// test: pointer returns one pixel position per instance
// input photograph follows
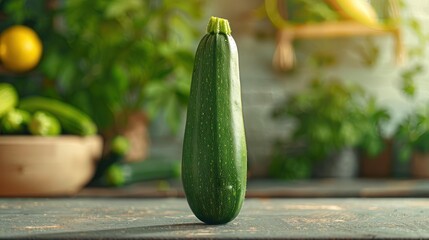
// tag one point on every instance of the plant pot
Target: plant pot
(420, 165)
(341, 164)
(401, 167)
(379, 166)
(134, 127)
(137, 133)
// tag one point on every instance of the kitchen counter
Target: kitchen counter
(346, 209)
(170, 218)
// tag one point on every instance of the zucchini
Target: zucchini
(120, 174)
(214, 161)
(15, 122)
(73, 121)
(8, 98)
(120, 147)
(44, 124)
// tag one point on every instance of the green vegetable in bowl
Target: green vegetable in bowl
(15, 121)
(73, 121)
(44, 124)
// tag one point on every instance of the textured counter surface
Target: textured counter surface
(170, 218)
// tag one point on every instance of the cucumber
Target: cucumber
(72, 120)
(8, 98)
(214, 160)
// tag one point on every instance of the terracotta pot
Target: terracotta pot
(379, 166)
(134, 127)
(137, 133)
(420, 165)
(46, 166)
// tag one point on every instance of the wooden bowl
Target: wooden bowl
(33, 166)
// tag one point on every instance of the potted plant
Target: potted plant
(412, 139)
(375, 149)
(121, 62)
(331, 121)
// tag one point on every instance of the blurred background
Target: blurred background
(330, 89)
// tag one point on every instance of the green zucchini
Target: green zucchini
(72, 120)
(214, 161)
(15, 121)
(44, 124)
(120, 174)
(8, 98)
(120, 147)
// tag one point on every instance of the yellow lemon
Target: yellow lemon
(20, 48)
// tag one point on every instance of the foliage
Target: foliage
(288, 163)
(308, 11)
(330, 116)
(413, 134)
(416, 54)
(375, 117)
(110, 58)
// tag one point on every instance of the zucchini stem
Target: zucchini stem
(218, 25)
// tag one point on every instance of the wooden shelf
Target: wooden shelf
(336, 30)
(284, 57)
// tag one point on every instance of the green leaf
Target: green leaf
(408, 87)
(67, 76)
(16, 9)
(155, 90)
(120, 78)
(120, 8)
(50, 64)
